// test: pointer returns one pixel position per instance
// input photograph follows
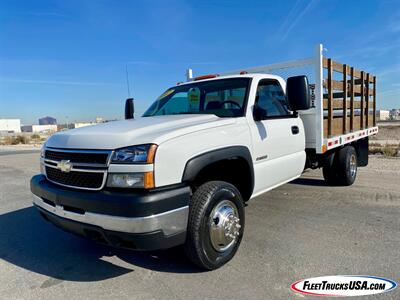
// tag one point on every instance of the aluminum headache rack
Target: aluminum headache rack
(343, 99)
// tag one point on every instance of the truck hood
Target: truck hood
(118, 134)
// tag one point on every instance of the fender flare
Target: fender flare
(197, 163)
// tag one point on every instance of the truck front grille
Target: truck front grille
(86, 169)
(87, 180)
(78, 157)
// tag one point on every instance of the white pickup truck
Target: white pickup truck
(181, 173)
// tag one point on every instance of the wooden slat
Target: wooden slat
(357, 73)
(367, 102)
(351, 99)
(338, 104)
(338, 67)
(357, 89)
(340, 95)
(357, 123)
(344, 123)
(357, 81)
(371, 79)
(336, 95)
(362, 103)
(336, 85)
(374, 102)
(337, 126)
(330, 97)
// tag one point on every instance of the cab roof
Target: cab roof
(248, 75)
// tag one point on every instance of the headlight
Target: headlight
(131, 180)
(135, 154)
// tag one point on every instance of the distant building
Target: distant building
(99, 120)
(10, 125)
(394, 114)
(382, 114)
(63, 127)
(39, 128)
(47, 121)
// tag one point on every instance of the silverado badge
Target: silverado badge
(65, 166)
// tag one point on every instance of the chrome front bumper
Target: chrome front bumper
(170, 222)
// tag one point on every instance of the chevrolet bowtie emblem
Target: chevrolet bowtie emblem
(64, 166)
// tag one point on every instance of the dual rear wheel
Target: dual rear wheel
(341, 167)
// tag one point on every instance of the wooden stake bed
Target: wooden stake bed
(353, 99)
(343, 99)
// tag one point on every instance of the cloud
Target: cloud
(389, 92)
(54, 82)
(295, 15)
(390, 72)
(38, 14)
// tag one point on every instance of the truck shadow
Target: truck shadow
(29, 242)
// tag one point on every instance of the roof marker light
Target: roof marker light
(205, 77)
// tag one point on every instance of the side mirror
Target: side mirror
(298, 93)
(259, 113)
(129, 109)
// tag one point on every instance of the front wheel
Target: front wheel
(216, 224)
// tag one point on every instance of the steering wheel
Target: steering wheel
(231, 102)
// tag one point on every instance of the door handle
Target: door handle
(295, 130)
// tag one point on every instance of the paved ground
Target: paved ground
(302, 229)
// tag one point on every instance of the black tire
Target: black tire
(347, 162)
(199, 247)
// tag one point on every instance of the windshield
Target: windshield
(223, 98)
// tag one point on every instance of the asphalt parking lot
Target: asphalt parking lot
(302, 229)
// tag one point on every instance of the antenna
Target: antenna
(189, 75)
(127, 80)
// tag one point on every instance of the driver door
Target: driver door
(278, 139)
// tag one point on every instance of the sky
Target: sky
(68, 59)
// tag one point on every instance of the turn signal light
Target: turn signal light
(151, 154)
(149, 180)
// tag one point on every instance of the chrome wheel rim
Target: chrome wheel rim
(224, 226)
(353, 165)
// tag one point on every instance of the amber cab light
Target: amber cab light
(205, 77)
